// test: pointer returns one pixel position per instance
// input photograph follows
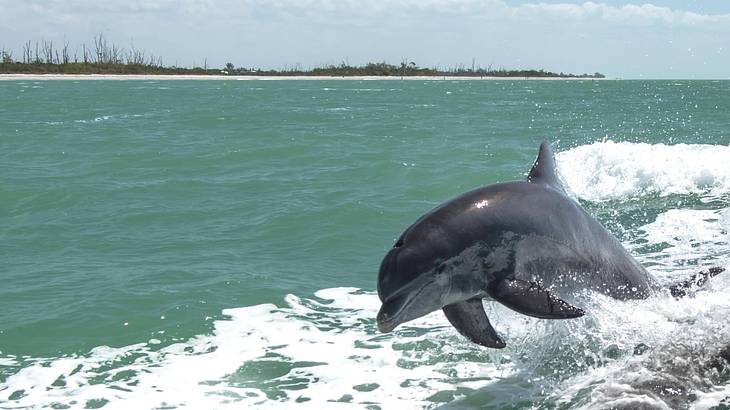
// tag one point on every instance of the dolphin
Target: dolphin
(525, 244)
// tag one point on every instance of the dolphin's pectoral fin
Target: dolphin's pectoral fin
(469, 318)
(681, 289)
(529, 298)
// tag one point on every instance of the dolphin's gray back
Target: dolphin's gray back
(552, 238)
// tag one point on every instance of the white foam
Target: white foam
(693, 238)
(683, 337)
(325, 349)
(109, 117)
(336, 109)
(613, 170)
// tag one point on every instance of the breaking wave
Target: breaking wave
(615, 170)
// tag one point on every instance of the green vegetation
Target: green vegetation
(405, 70)
(412, 70)
(105, 58)
(101, 58)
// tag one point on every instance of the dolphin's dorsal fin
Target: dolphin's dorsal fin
(544, 170)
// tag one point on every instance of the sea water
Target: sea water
(215, 244)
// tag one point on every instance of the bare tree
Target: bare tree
(7, 56)
(100, 48)
(26, 52)
(47, 48)
(115, 54)
(66, 57)
(134, 56)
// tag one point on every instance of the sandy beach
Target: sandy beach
(149, 77)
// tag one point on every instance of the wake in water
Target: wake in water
(324, 351)
(620, 170)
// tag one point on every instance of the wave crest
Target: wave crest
(611, 170)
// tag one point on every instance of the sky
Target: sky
(622, 39)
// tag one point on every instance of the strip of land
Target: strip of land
(153, 77)
(108, 61)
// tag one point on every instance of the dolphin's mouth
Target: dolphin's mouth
(386, 326)
(399, 309)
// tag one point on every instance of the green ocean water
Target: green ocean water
(139, 210)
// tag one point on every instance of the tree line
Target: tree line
(99, 57)
(103, 57)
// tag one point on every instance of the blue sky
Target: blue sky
(658, 39)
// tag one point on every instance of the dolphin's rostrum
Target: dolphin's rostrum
(525, 244)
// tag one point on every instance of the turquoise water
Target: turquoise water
(133, 213)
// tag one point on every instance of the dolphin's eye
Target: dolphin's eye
(399, 243)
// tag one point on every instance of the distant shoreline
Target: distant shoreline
(105, 60)
(151, 77)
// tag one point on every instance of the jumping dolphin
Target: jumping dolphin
(525, 244)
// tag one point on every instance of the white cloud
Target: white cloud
(627, 14)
